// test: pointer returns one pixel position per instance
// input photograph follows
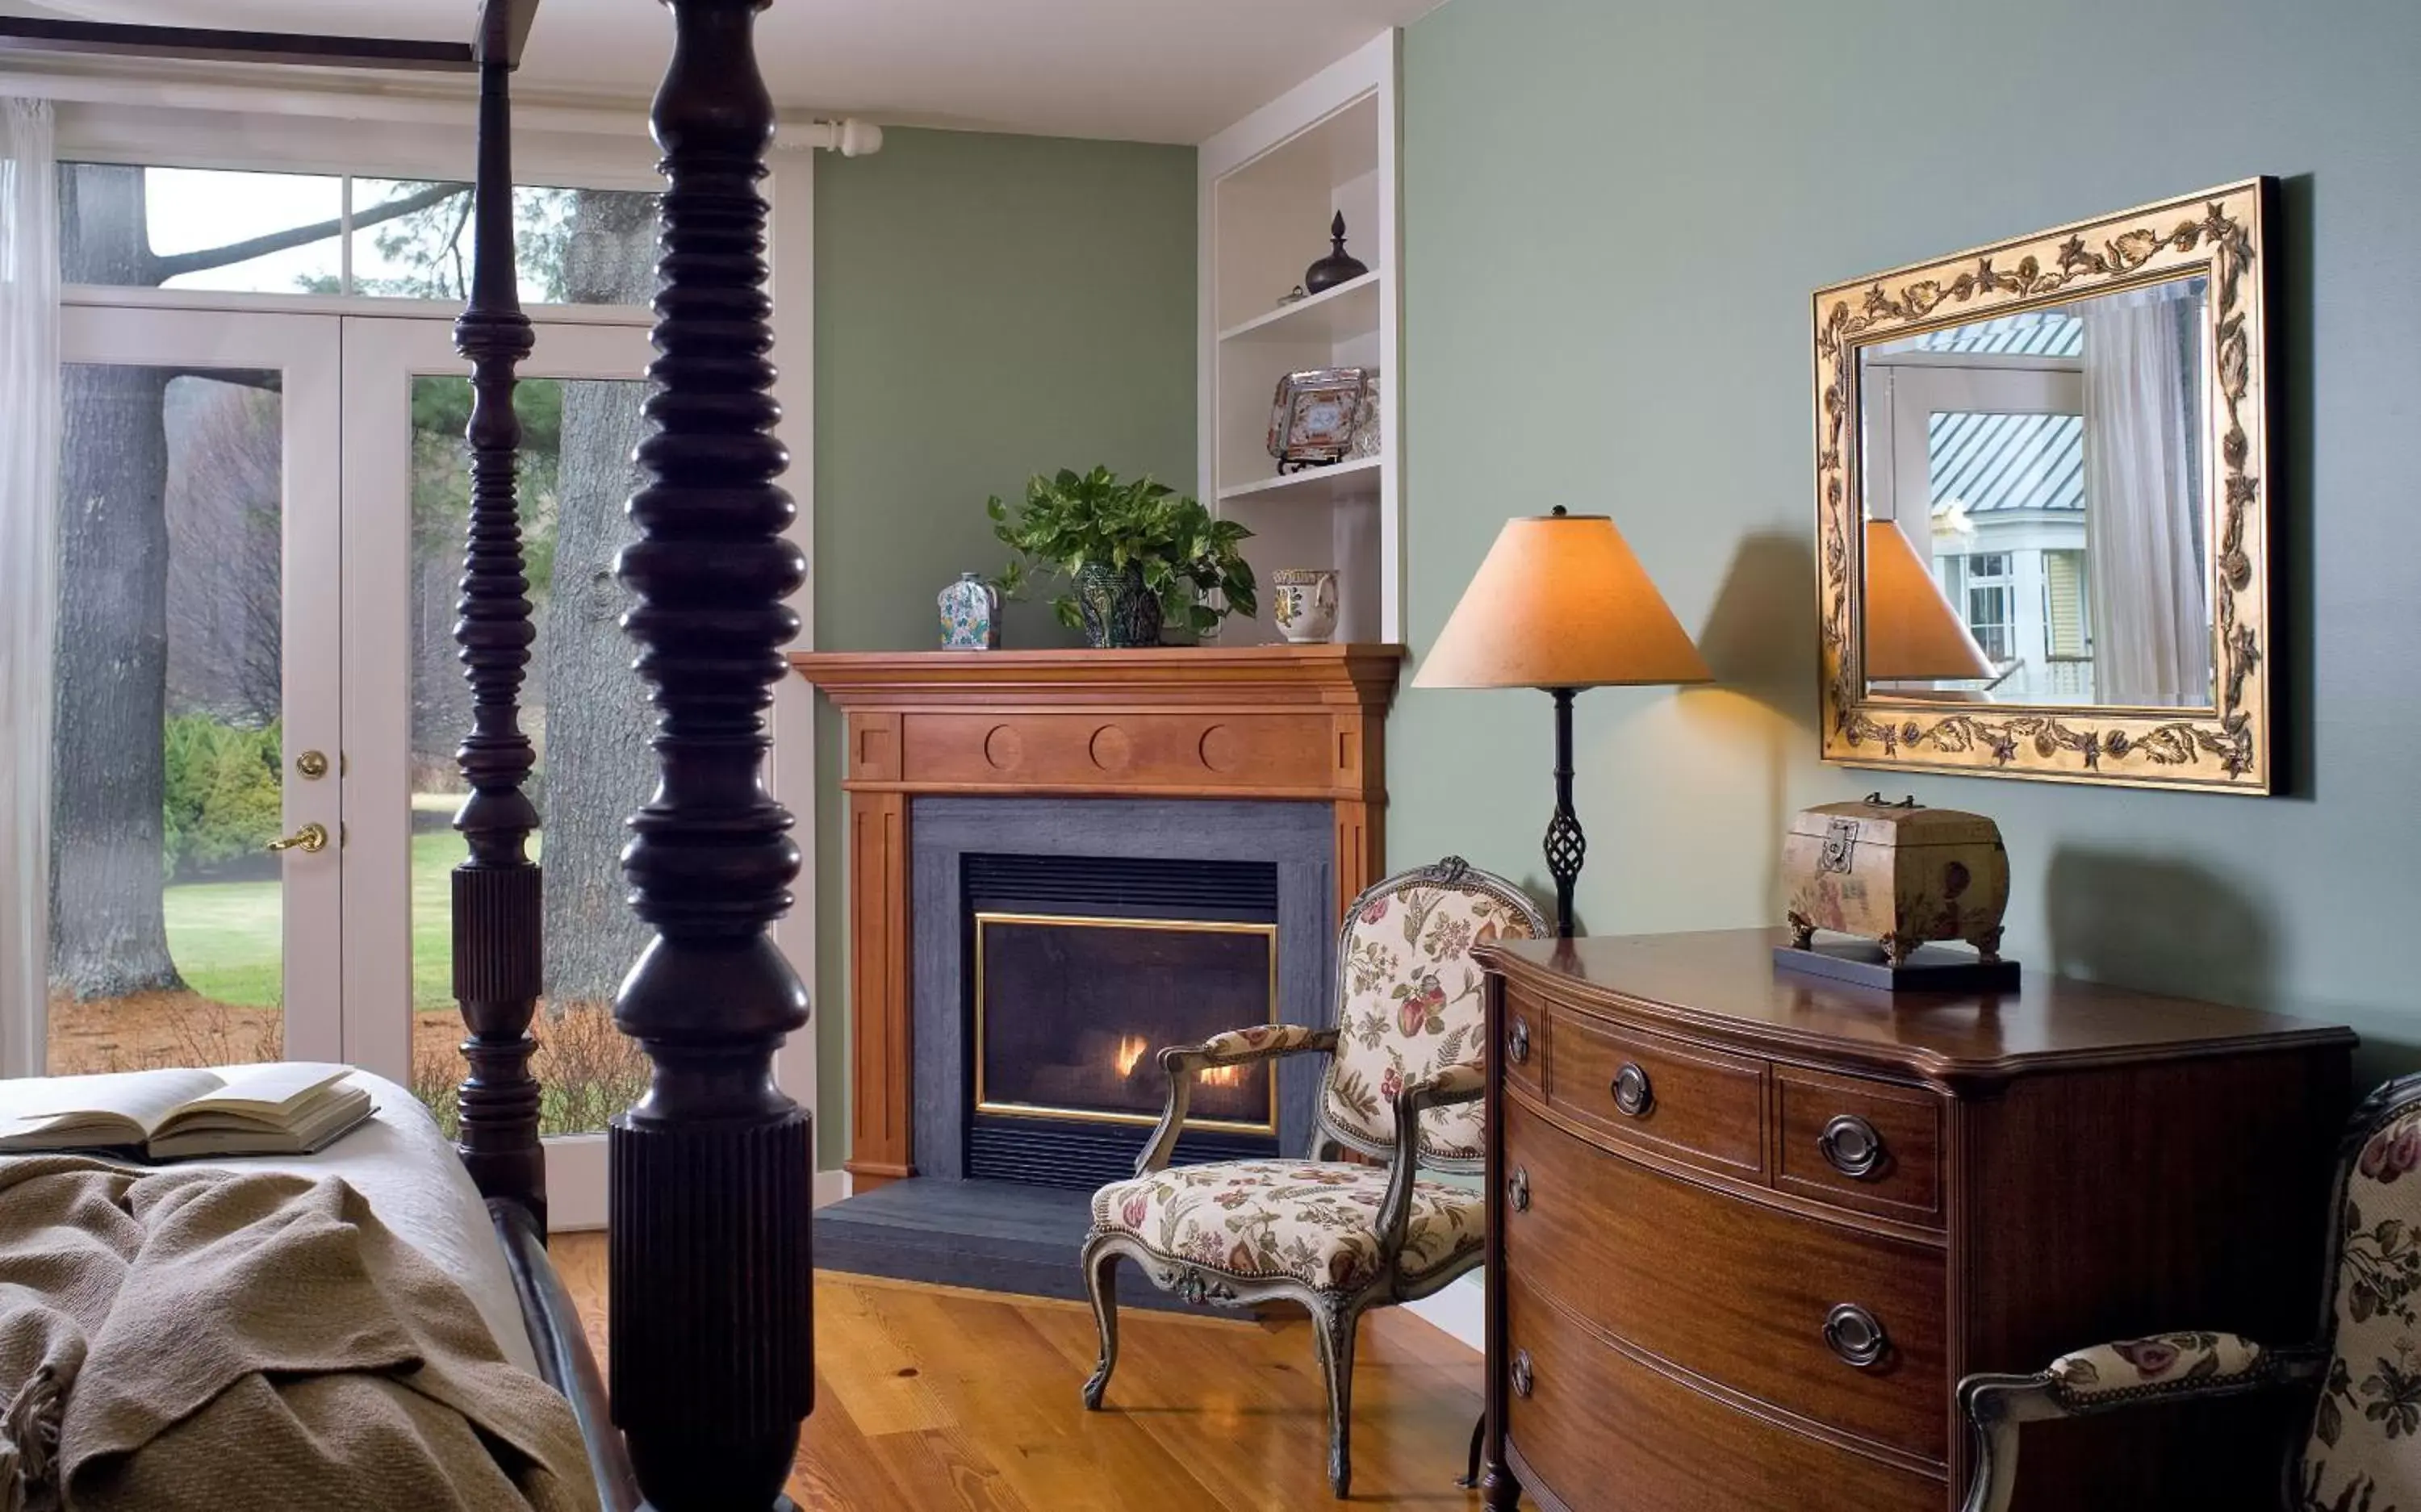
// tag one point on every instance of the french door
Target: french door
(405, 706)
(261, 542)
(198, 837)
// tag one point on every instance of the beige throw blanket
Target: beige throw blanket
(209, 1338)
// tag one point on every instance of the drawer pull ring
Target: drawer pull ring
(1517, 1041)
(1852, 1146)
(1632, 1094)
(1517, 1189)
(1856, 1335)
(1523, 1380)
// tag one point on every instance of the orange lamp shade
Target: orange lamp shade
(1560, 602)
(1912, 631)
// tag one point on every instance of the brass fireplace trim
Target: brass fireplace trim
(1090, 1115)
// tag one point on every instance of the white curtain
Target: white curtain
(29, 441)
(2144, 550)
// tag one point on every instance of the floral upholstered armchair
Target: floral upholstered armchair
(2362, 1450)
(1403, 1086)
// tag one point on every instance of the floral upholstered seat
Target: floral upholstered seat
(1313, 1221)
(2362, 1450)
(1402, 1086)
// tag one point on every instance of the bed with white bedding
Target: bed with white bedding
(402, 1164)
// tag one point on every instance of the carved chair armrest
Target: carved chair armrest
(1466, 1083)
(2165, 1367)
(1236, 1047)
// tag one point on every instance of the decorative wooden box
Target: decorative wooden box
(1898, 875)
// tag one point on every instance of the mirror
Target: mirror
(2042, 509)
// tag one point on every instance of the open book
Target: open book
(285, 1107)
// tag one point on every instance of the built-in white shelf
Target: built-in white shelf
(1340, 313)
(1271, 186)
(1314, 484)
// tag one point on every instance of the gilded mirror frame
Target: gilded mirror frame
(2225, 747)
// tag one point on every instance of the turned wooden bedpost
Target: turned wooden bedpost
(712, 1361)
(498, 957)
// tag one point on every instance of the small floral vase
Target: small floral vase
(1302, 600)
(969, 614)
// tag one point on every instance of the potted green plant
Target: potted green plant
(1135, 554)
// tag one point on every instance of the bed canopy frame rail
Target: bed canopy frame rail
(709, 1275)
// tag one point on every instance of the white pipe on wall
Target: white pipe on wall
(254, 94)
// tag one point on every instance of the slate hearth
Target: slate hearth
(955, 1225)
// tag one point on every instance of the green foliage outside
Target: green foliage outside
(440, 483)
(220, 801)
(1073, 520)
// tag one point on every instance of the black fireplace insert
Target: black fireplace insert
(1080, 970)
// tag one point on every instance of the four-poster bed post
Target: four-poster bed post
(710, 1283)
(709, 1279)
(499, 952)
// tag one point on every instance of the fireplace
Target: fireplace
(1079, 970)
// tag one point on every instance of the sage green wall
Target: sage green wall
(1614, 212)
(987, 307)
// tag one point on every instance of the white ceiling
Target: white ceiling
(1159, 70)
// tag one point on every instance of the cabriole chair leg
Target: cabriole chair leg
(1334, 1333)
(1101, 1282)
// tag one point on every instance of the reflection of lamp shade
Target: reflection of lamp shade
(1560, 602)
(1911, 631)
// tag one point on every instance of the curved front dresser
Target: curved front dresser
(1748, 1231)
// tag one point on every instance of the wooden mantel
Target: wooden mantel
(1293, 723)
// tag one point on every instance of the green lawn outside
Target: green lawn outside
(226, 937)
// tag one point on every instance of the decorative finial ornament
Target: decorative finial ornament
(1337, 266)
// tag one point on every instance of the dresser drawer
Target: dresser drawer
(1526, 1041)
(1596, 1429)
(1866, 1144)
(1739, 1293)
(1695, 1104)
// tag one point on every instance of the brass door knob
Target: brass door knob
(310, 839)
(313, 765)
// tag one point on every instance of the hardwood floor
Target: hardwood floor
(935, 1399)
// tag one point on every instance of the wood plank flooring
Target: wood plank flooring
(935, 1399)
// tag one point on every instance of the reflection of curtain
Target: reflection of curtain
(2152, 616)
(29, 432)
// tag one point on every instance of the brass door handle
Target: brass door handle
(310, 839)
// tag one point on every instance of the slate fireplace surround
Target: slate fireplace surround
(1171, 859)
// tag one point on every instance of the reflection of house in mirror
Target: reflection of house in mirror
(2076, 563)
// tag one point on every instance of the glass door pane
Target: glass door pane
(185, 517)
(582, 706)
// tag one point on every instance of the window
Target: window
(2064, 612)
(288, 233)
(1990, 599)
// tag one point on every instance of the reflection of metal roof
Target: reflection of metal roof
(2033, 334)
(1990, 462)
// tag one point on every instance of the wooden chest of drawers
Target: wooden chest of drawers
(1747, 1231)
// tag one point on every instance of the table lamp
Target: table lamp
(1560, 604)
(1912, 633)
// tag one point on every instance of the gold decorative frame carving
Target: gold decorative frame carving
(2224, 748)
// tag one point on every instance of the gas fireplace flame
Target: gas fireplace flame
(1131, 1048)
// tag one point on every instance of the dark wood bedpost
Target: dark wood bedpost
(498, 956)
(712, 1362)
